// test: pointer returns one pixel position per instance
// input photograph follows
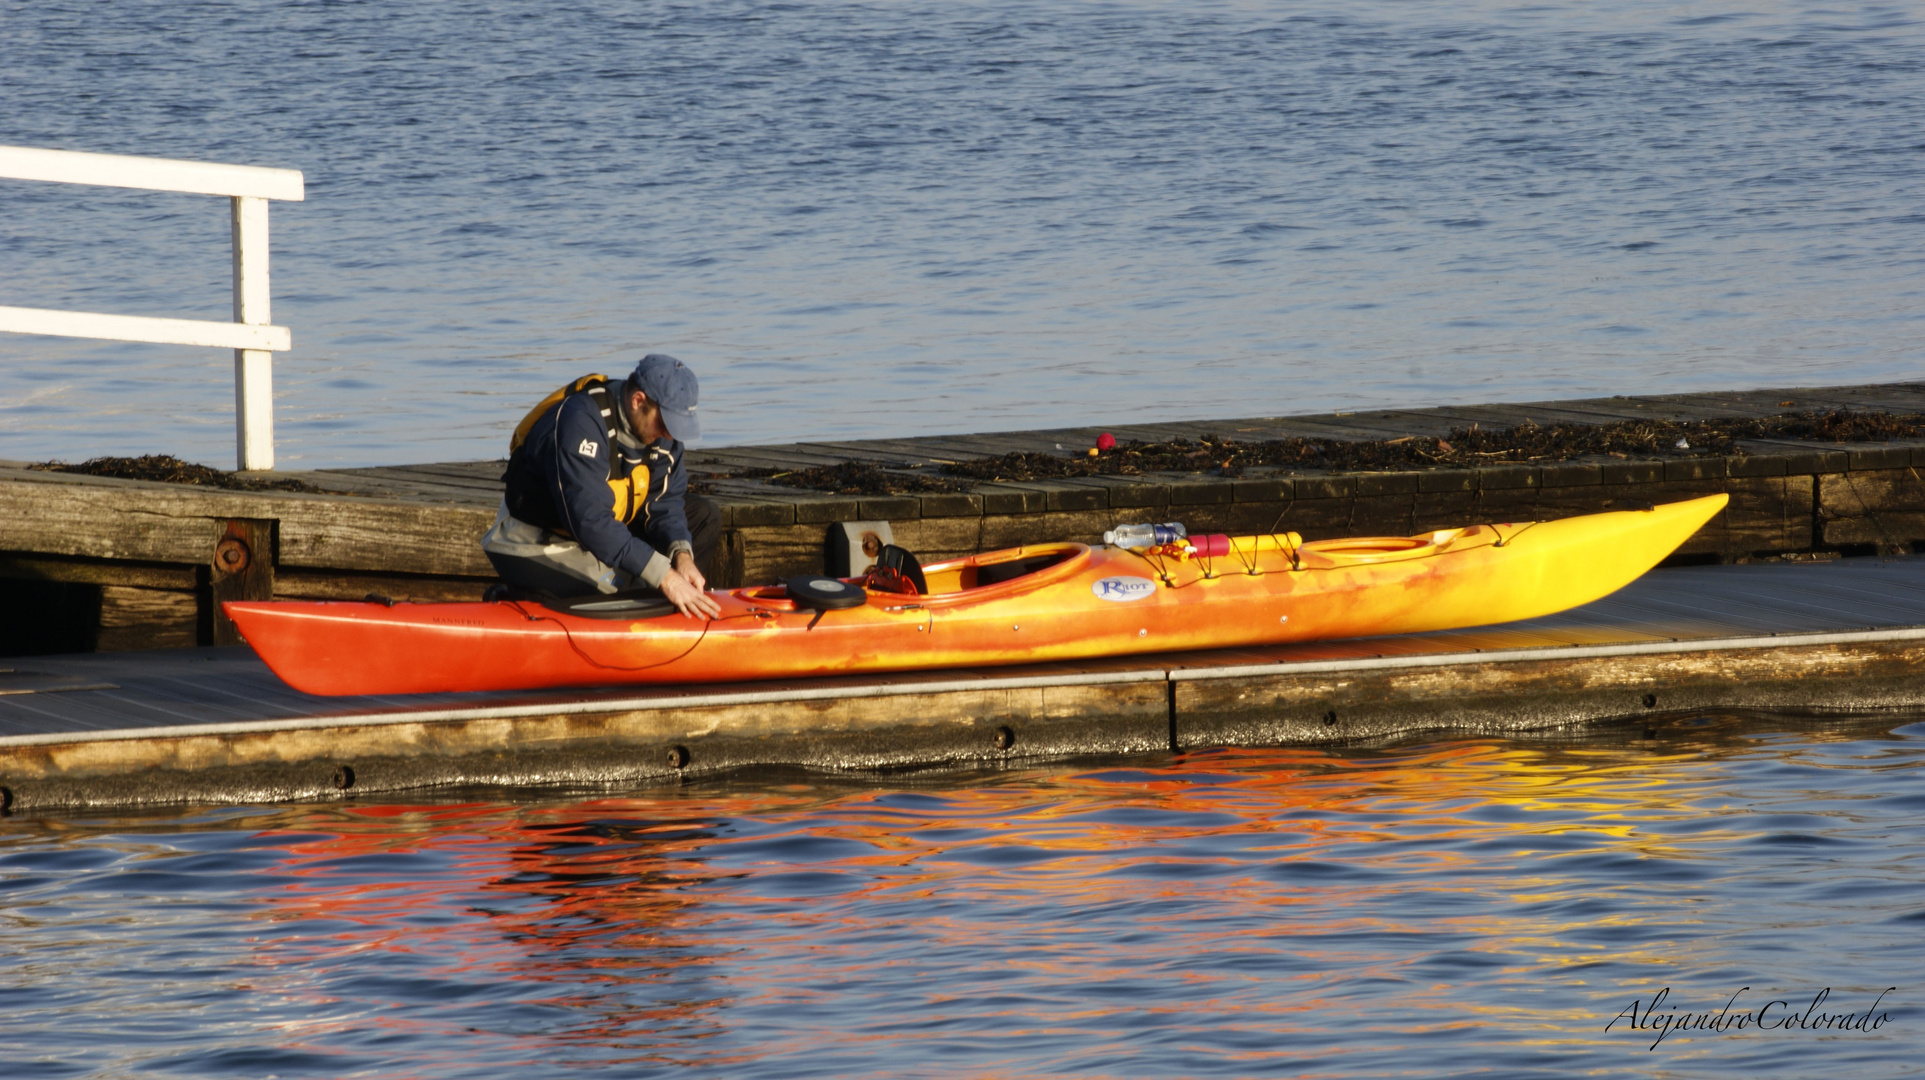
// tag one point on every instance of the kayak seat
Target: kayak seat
(636, 604)
(629, 604)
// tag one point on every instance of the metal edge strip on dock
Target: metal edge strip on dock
(1166, 674)
(563, 708)
(1558, 652)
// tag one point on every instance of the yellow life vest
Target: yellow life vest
(629, 492)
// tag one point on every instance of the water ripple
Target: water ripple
(1443, 909)
(851, 216)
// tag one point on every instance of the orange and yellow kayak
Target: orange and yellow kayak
(1021, 605)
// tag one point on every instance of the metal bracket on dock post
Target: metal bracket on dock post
(242, 569)
(253, 368)
(851, 546)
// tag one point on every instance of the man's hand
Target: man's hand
(687, 598)
(684, 564)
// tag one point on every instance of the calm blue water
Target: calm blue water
(1477, 907)
(888, 218)
(891, 218)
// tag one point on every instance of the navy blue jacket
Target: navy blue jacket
(566, 459)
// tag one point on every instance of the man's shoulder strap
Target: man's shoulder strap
(596, 385)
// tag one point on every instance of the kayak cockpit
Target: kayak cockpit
(1019, 568)
(1369, 550)
(1003, 573)
(967, 580)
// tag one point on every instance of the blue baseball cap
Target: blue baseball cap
(672, 387)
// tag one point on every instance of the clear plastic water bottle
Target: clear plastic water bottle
(1143, 536)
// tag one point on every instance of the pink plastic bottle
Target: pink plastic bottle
(1211, 545)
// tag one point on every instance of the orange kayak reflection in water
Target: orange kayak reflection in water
(1289, 895)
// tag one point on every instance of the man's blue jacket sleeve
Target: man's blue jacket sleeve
(666, 523)
(578, 482)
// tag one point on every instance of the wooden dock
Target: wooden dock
(213, 725)
(112, 566)
(100, 564)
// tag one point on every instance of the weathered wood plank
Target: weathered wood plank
(1354, 427)
(1799, 457)
(1505, 417)
(780, 457)
(429, 479)
(937, 538)
(998, 443)
(849, 451)
(1324, 428)
(488, 471)
(1869, 493)
(1590, 411)
(299, 584)
(1728, 403)
(96, 572)
(1150, 433)
(1288, 707)
(774, 552)
(133, 619)
(1383, 515)
(175, 523)
(1412, 422)
(395, 489)
(987, 725)
(1883, 507)
(911, 450)
(108, 522)
(1016, 530)
(1869, 399)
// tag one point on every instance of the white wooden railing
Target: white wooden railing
(249, 335)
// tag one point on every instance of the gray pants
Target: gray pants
(530, 557)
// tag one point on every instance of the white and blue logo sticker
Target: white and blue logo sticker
(1122, 588)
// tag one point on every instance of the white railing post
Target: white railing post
(252, 337)
(253, 368)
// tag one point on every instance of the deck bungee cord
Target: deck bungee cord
(1504, 541)
(1205, 559)
(1281, 540)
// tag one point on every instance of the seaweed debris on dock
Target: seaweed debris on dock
(1463, 447)
(168, 469)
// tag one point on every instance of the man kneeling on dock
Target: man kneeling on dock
(597, 496)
